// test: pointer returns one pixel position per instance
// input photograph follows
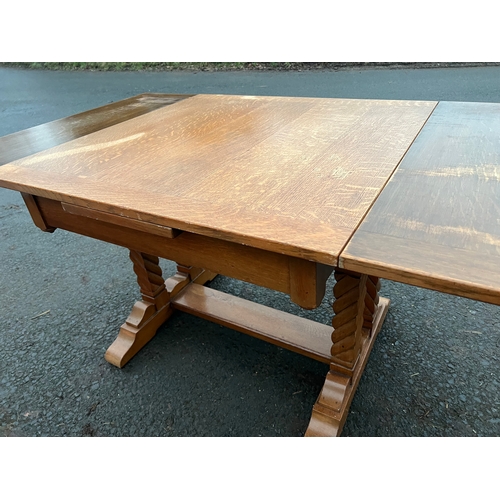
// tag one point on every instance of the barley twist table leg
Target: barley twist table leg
(154, 309)
(359, 313)
(147, 314)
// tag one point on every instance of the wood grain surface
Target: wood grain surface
(437, 222)
(277, 327)
(253, 265)
(140, 225)
(35, 139)
(303, 280)
(290, 175)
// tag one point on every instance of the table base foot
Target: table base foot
(132, 339)
(332, 406)
(146, 317)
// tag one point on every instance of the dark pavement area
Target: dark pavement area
(434, 370)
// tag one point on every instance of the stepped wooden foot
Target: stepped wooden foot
(359, 314)
(154, 309)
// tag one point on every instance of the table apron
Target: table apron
(303, 280)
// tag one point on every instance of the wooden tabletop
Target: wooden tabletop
(291, 175)
(437, 222)
(47, 135)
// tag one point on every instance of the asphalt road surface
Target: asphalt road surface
(434, 370)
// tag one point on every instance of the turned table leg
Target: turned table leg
(359, 314)
(154, 309)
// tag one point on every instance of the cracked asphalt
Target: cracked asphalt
(434, 369)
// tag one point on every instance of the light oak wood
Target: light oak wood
(277, 327)
(147, 314)
(308, 282)
(155, 307)
(36, 215)
(47, 135)
(332, 406)
(349, 309)
(373, 285)
(268, 190)
(359, 314)
(140, 225)
(260, 267)
(436, 223)
(347, 359)
(289, 175)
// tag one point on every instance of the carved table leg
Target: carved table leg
(154, 309)
(359, 314)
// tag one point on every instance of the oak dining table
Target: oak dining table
(280, 192)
